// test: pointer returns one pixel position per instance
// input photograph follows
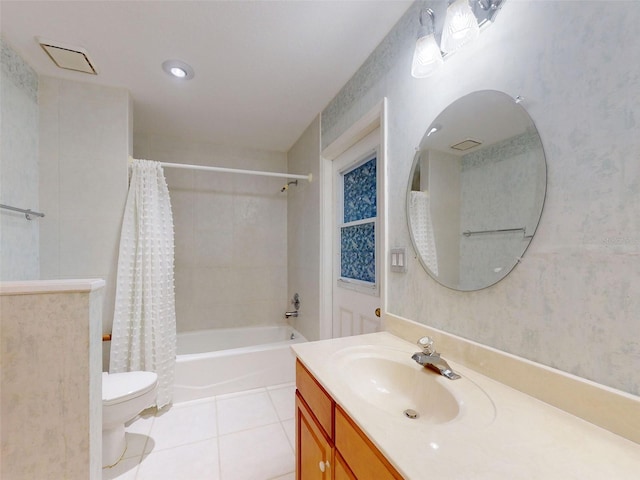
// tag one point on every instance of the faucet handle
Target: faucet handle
(426, 343)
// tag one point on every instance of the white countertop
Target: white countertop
(526, 439)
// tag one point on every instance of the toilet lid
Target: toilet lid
(119, 387)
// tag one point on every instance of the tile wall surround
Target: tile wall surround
(230, 233)
(303, 231)
(19, 237)
(51, 408)
(84, 147)
(577, 290)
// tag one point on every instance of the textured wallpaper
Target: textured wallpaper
(573, 302)
(18, 167)
(84, 132)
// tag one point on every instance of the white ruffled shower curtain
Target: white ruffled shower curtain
(144, 323)
(422, 227)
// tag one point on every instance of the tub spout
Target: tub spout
(291, 314)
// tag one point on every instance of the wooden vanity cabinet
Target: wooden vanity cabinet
(314, 451)
(329, 445)
(341, 470)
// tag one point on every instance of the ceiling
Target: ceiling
(263, 69)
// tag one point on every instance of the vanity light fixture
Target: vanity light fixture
(463, 22)
(178, 69)
(460, 26)
(486, 11)
(427, 57)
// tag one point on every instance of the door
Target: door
(357, 272)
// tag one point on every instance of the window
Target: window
(357, 224)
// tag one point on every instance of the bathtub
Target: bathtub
(214, 362)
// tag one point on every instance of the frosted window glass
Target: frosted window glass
(358, 252)
(360, 192)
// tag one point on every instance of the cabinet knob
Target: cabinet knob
(323, 466)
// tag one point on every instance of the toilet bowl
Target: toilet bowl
(124, 395)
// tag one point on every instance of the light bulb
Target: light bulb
(178, 69)
(178, 72)
(426, 57)
(460, 26)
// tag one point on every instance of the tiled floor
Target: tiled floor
(247, 435)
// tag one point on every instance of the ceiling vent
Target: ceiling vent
(68, 57)
(466, 145)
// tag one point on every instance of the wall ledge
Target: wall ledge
(30, 287)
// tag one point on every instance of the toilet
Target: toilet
(124, 395)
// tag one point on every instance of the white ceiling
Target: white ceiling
(263, 69)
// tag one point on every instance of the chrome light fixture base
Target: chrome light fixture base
(486, 11)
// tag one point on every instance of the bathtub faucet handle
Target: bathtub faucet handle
(296, 301)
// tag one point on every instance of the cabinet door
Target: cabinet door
(362, 457)
(313, 449)
(341, 470)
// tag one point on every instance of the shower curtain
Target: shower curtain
(420, 215)
(144, 323)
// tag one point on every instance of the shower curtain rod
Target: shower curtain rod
(233, 170)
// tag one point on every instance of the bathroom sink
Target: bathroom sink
(390, 381)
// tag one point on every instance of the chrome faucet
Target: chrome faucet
(295, 301)
(428, 357)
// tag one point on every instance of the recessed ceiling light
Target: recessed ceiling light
(178, 69)
(178, 72)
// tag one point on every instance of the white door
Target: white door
(357, 232)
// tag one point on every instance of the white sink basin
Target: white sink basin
(389, 380)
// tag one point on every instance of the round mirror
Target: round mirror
(476, 190)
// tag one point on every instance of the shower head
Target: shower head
(286, 187)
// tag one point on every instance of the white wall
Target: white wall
(573, 303)
(84, 148)
(444, 187)
(19, 237)
(230, 233)
(303, 231)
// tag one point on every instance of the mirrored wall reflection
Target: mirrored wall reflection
(476, 190)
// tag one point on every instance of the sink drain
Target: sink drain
(410, 413)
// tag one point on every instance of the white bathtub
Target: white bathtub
(214, 362)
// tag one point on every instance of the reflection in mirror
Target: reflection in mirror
(476, 190)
